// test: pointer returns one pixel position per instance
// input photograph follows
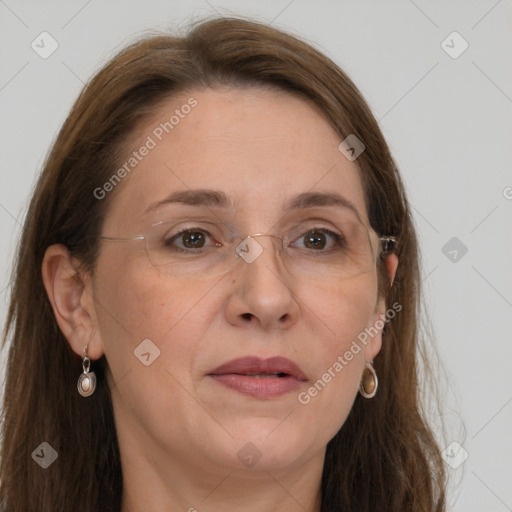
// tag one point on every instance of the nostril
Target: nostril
(247, 316)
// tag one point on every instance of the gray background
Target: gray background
(448, 122)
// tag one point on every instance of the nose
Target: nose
(262, 291)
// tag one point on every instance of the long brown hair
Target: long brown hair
(385, 456)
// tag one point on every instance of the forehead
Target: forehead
(259, 147)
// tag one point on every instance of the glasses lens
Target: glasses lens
(331, 253)
(316, 249)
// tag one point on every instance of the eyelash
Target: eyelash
(339, 240)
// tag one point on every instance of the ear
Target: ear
(379, 317)
(71, 297)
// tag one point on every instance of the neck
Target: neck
(154, 483)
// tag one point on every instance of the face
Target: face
(261, 149)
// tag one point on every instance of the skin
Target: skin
(179, 432)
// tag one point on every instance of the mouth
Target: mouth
(260, 378)
(270, 374)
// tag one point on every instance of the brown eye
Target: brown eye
(315, 240)
(318, 239)
(188, 239)
(193, 239)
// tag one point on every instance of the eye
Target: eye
(321, 238)
(190, 238)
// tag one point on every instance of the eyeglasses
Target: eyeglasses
(307, 249)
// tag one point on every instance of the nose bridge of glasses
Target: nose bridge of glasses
(276, 242)
(250, 248)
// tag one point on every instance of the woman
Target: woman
(215, 304)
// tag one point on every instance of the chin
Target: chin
(270, 445)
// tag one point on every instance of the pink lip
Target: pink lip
(235, 375)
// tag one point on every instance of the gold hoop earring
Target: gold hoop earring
(87, 381)
(369, 382)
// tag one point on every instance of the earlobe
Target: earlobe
(71, 301)
(391, 266)
(380, 316)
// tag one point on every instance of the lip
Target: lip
(236, 375)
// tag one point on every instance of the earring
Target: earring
(369, 382)
(87, 381)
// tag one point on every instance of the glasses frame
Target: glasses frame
(387, 242)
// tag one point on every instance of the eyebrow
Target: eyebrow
(216, 198)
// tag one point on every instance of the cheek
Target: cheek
(148, 378)
(137, 303)
(342, 313)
